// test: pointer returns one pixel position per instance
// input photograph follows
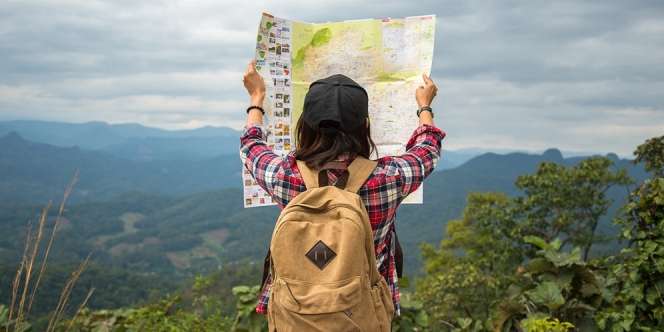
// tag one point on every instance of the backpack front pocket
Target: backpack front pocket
(306, 297)
(316, 307)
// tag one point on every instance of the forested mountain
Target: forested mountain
(140, 143)
(96, 134)
(37, 172)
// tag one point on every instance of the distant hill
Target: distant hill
(137, 142)
(174, 148)
(36, 172)
(130, 140)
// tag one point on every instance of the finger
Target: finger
(251, 67)
(427, 79)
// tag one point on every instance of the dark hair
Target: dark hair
(317, 147)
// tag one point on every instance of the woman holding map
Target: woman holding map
(332, 131)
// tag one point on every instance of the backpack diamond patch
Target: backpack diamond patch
(320, 254)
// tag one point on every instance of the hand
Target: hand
(424, 94)
(254, 84)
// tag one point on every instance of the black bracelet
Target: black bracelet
(424, 108)
(256, 107)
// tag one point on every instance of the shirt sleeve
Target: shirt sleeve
(263, 163)
(422, 154)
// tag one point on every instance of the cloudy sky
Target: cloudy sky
(577, 75)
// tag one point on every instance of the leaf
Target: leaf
(507, 310)
(464, 323)
(422, 319)
(240, 290)
(547, 294)
(539, 265)
(536, 241)
(560, 259)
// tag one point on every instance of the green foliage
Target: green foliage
(651, 153)
(171, 314)
(163, 316)
(7, 325)
(553, 284)
(471, 284)
(473, 266)
(247, 319)
(540, 323)
(413, 316)
(636, 279)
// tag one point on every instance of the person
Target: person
(334, 128)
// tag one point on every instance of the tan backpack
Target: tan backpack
(323, 262)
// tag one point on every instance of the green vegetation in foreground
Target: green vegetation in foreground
(521, 263)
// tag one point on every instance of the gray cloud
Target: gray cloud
(581, 76)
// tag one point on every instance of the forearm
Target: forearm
(426, 118)
(422, 153)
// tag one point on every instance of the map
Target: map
(386, 56)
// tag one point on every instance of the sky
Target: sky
(581, 76)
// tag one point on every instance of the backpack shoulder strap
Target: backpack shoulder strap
(359, 170)
(309, 176)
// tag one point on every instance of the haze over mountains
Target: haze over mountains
(140, 143)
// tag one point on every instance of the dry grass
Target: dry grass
(28, 278)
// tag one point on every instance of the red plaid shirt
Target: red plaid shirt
(393, 179)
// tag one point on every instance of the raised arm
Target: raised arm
(424, 146)
(256, 156)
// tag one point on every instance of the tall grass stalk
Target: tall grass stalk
(25, 283)
(80, 308)
(30, 262)
(19, 272)
(64, 295)
(61, 210)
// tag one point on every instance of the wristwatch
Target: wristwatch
(424, 108)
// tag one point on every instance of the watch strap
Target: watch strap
(424, 108)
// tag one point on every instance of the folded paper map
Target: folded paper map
(386, 56)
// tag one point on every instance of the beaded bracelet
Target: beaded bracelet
(256, 107)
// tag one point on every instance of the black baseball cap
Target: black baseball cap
(335, 102)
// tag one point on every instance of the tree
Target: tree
(471, 277)
(636, 302)
(474, 264)
(651, 154)
(568, 202)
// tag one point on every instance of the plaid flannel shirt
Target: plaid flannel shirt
(393, 179)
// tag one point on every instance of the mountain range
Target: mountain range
(140, 143)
